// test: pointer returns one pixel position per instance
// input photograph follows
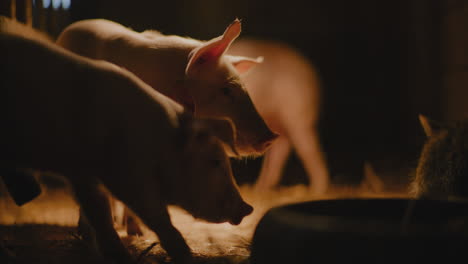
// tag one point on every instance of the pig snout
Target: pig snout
(244, 210)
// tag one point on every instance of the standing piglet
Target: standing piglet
(107, 131)
(285, 91)
(196, 74)
(442, 170)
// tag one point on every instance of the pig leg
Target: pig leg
(273, 164)
(131, 223)
(85, 230)
(94, 203)
(123, 219)
(307, 145)
(147, 204)
(118, 212)
(171, 239)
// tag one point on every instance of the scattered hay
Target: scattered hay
(44, 231)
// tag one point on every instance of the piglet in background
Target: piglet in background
(109, 133)
(442, 170)
(194, 73)
(286, 92)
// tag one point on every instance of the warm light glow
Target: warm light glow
(210, 240)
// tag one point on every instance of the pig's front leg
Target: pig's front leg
(94, 203)
(147, 204)
(123, 219)
(171, 239)
(307, 146)
(131, 224)
(273, 164)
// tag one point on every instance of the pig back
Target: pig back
(62, 109)
(88, 37)
(284, 86)
(37, 99)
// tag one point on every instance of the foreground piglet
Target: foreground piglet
(442, 170)
(107, 131)
(196, 74)
(285, 91)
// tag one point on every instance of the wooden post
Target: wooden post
(28, 12)
(23, 11)
(41, 16)
(20, 7)
(52, 27)
(13, 9)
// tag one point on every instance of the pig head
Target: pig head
(194, 73)
(213, 80)
(205, 186)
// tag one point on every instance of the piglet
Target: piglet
(285, 89)
(442, 170)
(195, 73)
(106, 131)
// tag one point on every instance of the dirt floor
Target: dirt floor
(53, 244)
(44, 231)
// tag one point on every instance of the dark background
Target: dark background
(381, 64)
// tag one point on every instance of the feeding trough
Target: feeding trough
(363, 231)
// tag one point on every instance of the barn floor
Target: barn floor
(44, 231)
(53, 244)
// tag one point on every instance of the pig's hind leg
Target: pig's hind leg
(307, 145)
(131, 223)
(273, 164)
(123, 219)
(95, 206)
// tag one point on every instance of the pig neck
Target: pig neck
(159, 62)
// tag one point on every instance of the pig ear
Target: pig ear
(223, 129)
(430, 127)
(212, 50)
(243, 64)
